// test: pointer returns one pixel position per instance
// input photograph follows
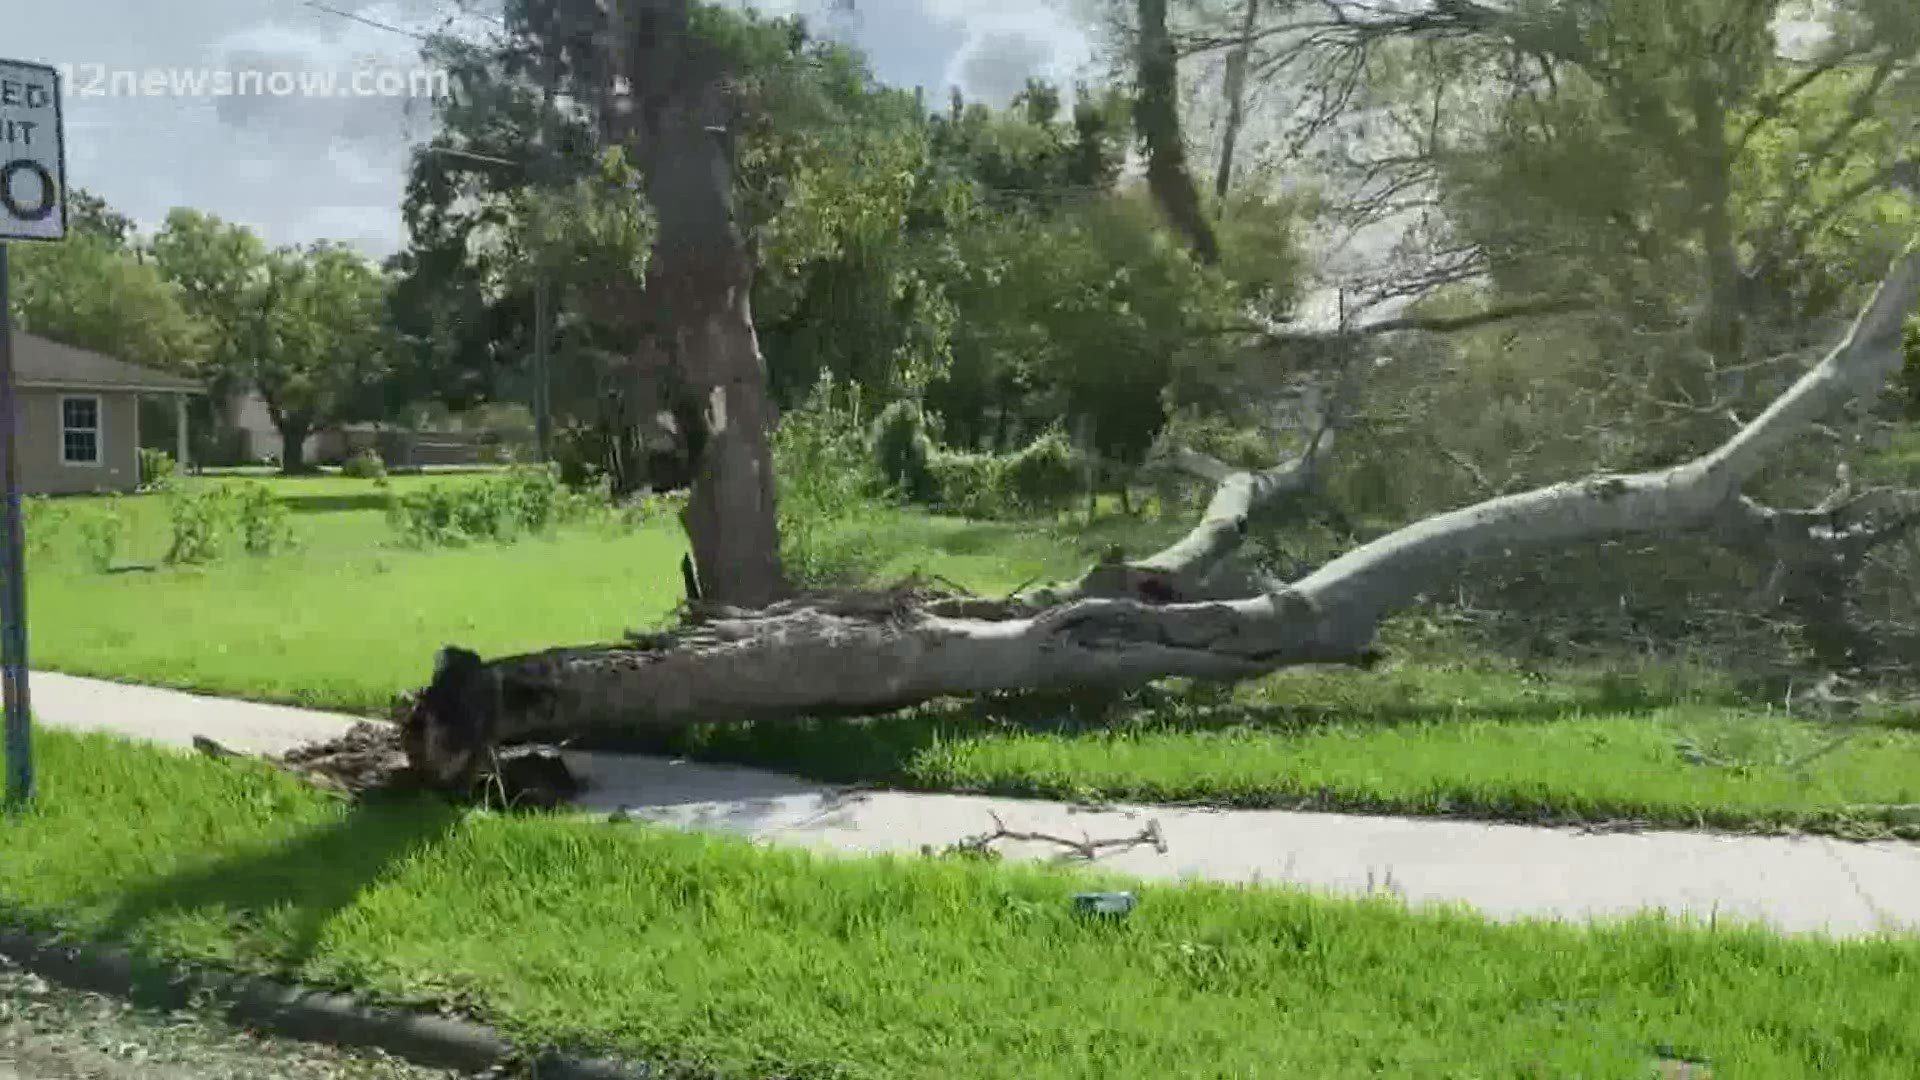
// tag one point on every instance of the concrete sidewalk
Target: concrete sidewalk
(1507, 871)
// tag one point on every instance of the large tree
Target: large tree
(92, 293)
(1187, 611)
(1191, 610)
(307, 328)
(320, 342)
(217, 266)
(98, 290)
(824, 160)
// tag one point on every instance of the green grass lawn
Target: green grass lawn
(1412, 739)
(349, 619)
(747, 962)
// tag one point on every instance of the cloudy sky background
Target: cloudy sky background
(300, 169)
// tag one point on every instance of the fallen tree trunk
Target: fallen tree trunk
(1124, 624)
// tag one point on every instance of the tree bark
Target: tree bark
(1720, 330)
(1236, 93)
(1157, 117)
(676, 116)
(294, 429)
(1183, 612)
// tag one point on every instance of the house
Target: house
(400, 445)
(259, 439)
(79, 417)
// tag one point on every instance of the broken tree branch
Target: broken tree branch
(876, 654)
(1085, 848)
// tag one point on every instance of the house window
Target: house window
(80, 430)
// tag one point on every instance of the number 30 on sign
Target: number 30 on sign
(33, 189)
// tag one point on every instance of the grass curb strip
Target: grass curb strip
(308, 1015)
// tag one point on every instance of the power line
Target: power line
(490, 159)
(363, 20)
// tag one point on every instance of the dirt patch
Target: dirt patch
(368, 760)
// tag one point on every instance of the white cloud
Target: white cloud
(306, 169)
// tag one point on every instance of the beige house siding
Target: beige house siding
(249, 413)
(43, 470)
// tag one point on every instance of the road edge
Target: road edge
(293, 1012)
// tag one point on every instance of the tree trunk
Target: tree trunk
(1236, 93)
(1187, 611)
(1720, 328)
(294, 429)
(293, 450)
(677, 118)
(1157, 116)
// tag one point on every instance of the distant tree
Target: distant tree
(217, 266)
(94, 290)
(320, 342)
(89, 214)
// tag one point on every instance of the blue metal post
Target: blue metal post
(13, 576)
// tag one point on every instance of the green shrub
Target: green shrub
(1045, 474)
(903, 451)
(157, 467)
(265, 525)
(535, 497)
(523, 500)
(970, 485)
(425, 518)
(101, 535)
(826, 482)
(203, 523)
(45, 522)
(580, 452)
(364, 464)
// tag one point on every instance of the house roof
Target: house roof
(39, 363)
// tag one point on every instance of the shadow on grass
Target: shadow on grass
(888, 749)
(306, 881)
(334, 504)
(885, 749)
(984, 538)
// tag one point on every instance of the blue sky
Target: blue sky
(304, 168)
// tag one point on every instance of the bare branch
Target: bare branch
(1378, 576)
(1770, 107)
(1449, 324)
(1086, 847)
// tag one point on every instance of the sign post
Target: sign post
(33, 206)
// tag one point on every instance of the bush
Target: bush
(101, 535)
(523, 500)
(903, 451)
(1045, 475)
(265, 525)
(535, 497)
(971, 485)
(1242, 447)
(825, 478)
(364, 464)
(45, 521)
(580, 452)
(203, 522)
(157, 468)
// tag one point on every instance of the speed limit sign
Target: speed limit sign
(33, 186)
